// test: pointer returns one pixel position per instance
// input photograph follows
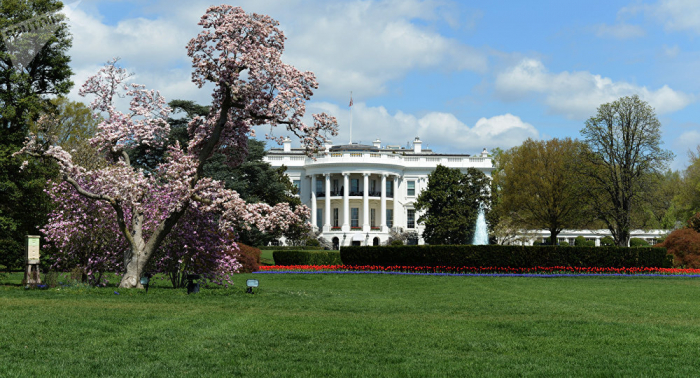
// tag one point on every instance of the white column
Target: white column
(382, 225)
(365, 204)
(346, 202)
(327, 221)
(397, 210)
(314, 219)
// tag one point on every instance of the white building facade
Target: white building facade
(361, 194)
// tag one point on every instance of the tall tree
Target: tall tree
(688, 200)
(33, 67)
(538, 186)
(624, 151)
(451, 204)
(240, 54)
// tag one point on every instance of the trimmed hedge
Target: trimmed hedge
(306, 257)
(506, 256)
(289, 248)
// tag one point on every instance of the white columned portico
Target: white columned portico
(382, 209)
(327, 221)
(365, 204)
(314, 218)
(346, 202)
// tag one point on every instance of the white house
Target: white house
(359, 194)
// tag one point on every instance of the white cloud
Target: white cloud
(577, 95)
(688, 141)
(440, 131)
(619, 31)
(359, 46)
(677, 15)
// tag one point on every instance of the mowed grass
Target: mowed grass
(358, 325)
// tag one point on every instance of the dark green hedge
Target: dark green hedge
(505, 256)
(289, 248)
(306, 257)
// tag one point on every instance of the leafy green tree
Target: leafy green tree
(624, 152)
(539, 188)
(688, 198)
(71, 124)
(451, 204)
(26, 86)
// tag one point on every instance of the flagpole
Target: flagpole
(350, 117)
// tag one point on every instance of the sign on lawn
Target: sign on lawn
(33, 254)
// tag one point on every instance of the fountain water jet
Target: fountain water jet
(481, 231)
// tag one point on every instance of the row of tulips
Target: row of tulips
(466, 270)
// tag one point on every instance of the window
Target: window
(410, 188)
(335, 217)
(372, 215)
(319, 218)
(336, 243)
(373, 186)
(389, 188)
(355, 217)
(411, 219)
(389, 218)
(297, 184)
(336, 188)
(319, 186)
(354, 186)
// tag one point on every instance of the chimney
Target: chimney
(417, 145)
(377, 143)
(287, 144)
(328, 145)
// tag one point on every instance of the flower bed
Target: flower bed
(555, 271)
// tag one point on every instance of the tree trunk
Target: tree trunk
(134, 270)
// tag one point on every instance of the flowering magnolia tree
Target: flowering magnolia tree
(241, 55)
(82, 233)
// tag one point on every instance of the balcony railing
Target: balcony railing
(339, 193)
(386, 157)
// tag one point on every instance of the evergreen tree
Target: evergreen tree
(28, 76)
(451, 205)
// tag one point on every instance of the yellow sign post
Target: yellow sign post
(32, 275)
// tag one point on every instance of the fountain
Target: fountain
(481, 231)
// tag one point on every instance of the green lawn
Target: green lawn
(358, 325)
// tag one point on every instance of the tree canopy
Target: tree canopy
(539, 188)
(624, 152)
(451, 203)
(33, 68)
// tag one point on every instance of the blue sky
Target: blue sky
(461, 75)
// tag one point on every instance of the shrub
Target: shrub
(312, 242)
(306, 257)
(51, 279)
(607, 242)
(684, 245)
(249, 257)
(396, 242)
(637, 242)
(580, 241)
(504, 256)
(564, 244)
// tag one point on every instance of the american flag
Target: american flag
(350, 101)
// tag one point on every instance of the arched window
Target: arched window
(336, 243)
